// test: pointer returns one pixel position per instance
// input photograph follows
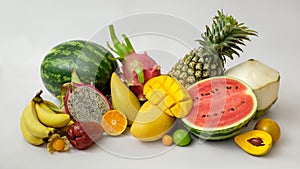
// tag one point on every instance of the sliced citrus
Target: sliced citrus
(114, 122)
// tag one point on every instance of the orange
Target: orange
(114, 122)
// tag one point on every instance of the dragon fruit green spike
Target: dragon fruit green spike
(137, 68)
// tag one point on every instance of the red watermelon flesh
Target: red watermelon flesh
(220, 103)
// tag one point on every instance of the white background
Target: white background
(29, 29)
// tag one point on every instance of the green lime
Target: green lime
(181, 137)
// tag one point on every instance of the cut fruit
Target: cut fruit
(123, 99)
(84, 102)
(222, 107)
(168, 95)
(114, 122)
(254, 142)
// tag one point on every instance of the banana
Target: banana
(49, 105)
(66, 128)
(27, 135)
(32, 123)
(49, 118)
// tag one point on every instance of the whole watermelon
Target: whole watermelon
(92, 62)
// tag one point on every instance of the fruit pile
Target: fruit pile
(98, 97)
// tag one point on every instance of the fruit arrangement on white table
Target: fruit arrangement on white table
(212, 103)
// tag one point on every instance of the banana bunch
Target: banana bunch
(39, 120)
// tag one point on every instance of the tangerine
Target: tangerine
(114, 122)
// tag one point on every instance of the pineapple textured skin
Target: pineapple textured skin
(196, 66)
(219, 42)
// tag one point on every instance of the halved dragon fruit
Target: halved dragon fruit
(84, 102)
(137, 68)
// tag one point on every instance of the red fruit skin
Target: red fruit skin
(83, 135)
(133, 61)
(69, 87)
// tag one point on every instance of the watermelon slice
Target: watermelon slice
(222, 107)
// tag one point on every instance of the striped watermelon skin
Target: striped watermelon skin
(219, 134)
(92, 62)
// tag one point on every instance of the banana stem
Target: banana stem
(37, 98)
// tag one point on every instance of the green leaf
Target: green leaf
(122, 49)
(225, 35)
(128, 43)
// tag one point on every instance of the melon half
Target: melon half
(263, 79)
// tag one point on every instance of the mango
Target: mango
(254, 142)
(123, 98)
(168, 95)
(151, 123)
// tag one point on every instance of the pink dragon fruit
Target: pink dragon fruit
(84, 102)
(137, 68)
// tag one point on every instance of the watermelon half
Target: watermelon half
(222, 107)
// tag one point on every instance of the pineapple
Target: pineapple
(218, 42)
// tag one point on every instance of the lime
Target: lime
(181, 137)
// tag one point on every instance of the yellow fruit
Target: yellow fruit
(66, 128)
(123, 99)
(58, 143)
(49, 118)
(168, 95)
(151, 123)
(32, 123)
(27, 135)
(254, 142)
(167, 140)
(270, 126)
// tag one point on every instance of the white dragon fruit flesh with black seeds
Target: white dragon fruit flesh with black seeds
(85, 103)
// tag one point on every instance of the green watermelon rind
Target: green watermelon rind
(93, 63)
(218, 134)
(225, 132)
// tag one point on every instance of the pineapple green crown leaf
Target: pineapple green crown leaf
(225, 36)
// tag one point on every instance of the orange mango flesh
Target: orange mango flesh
(168, 95)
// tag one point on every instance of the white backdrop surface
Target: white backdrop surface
(29, 29)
